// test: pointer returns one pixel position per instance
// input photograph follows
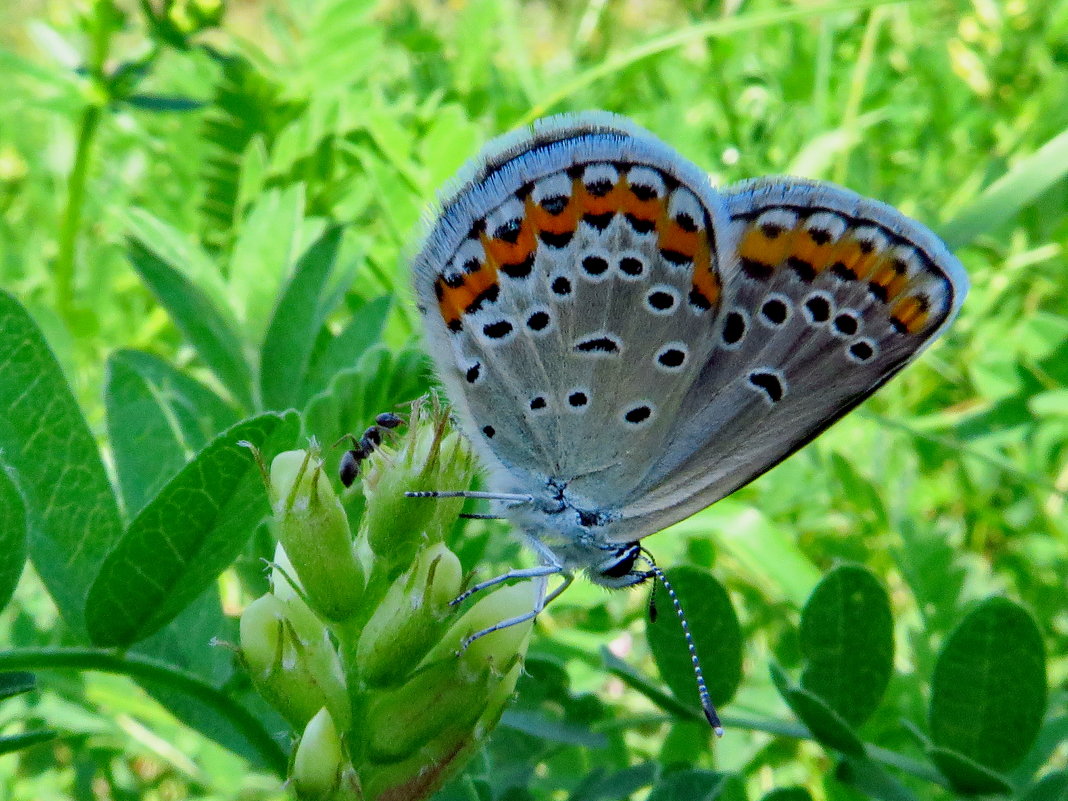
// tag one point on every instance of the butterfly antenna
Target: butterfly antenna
(702, 689)
(488, 496)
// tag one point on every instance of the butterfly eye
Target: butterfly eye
(622, 563)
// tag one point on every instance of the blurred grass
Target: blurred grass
(355, 113)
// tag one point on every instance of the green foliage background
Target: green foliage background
(161, 176)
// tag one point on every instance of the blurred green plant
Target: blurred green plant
(204, 214)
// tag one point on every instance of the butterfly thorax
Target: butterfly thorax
(575, 534)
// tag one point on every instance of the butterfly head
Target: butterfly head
(617, 567)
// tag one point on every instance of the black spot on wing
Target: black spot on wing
(769, 382)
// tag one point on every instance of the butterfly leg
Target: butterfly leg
(525, 573)
(543, 601)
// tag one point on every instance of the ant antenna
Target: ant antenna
(702, 689)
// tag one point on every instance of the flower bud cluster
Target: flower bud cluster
(357, 645)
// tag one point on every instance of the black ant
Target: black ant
(349, 468)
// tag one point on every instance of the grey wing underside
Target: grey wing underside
(856, 291)
(605, 319)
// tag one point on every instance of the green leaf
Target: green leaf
(290, 338)
(689, 785)
(187, 642)
(988, 691)
(144, 437)
(200, 414)
(1051, 787)
(1000, 201)
(787, 794)
(544, 728)
(600, 785)
(871, 779)
(858, 491)
(1052, 734)
(826, 725)
(343, 352)
(716, 634)
(685, 742)
(847, 640)
(967, 776)
(203, 324)
(19, 742)
(186, 535)
(71, 513)
(177, 249)
(12, 536)
(268, 242)
(381, 382)
(12, 684)
(767, 554)
(15, 683)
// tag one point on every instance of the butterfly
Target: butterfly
(626, 344)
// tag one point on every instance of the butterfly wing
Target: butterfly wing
(826, 296)
(604, 319)
(569, 289)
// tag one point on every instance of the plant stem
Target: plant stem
(135, 666)
(72, 213)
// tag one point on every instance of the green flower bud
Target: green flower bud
(320, 656)
(423, 773)
(320, 770)
(439, 707)
(297, 676)
(312, 526)
(319, 758)
(286, 587)
(430, 457)
(407, 622)
(496, 649)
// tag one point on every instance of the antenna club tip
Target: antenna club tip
(713, 721)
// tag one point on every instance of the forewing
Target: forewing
(569, 290)
(826, 296)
